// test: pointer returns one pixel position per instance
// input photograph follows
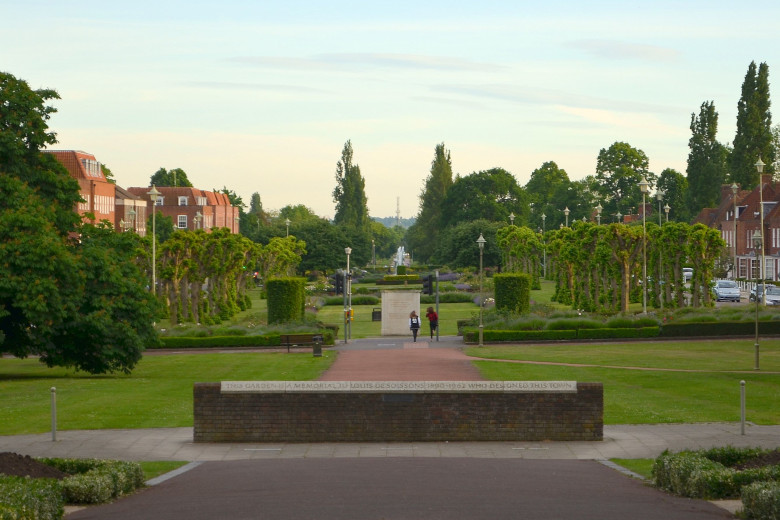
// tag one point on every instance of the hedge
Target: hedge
(23, 498)
(761, 500)
(91, 481)
(286, 299)
(265, 340)
(513, 292)
(694, 474)
(644, 332)
(719, 328)
(472, 335)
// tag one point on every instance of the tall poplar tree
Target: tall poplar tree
(350, 193)
(707, 161)
(423, 235)
(754, 128)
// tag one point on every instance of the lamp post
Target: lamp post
(644, 187)
(347, 299)
(154, 194)
(373, 254)
(659, 195)
(666, 210)
(481, 241)
(198, 219)
(619, 217)
(758, 241)
(287, 223)
(512, 218)
(544, 248)
(566, 212)
(734, 190)
(131, 222)
(598, 214)
(760, 170)
(122, 225)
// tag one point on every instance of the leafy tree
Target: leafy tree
(164, 226)
(62, 299)
(619, 170)
(423, 234)
(707, 161)
(490, 195)
(753, 139)
(108, 174)
(458, 246)
(325, 245)
(675, 188)
(173, 177)
(547, 183)
(297, 213)
(234, 198)
(350, 192)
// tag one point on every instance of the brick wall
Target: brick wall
(394, 417)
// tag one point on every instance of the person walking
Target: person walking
(433, 319)
(414, 324)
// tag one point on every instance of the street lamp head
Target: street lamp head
(287, 221)
(154, 194)
(758, 240)
(644, 186)
(598, 209)
(619, 216)
(666, 209)
(481, 241)
(659, 194)
(566, 211)
(734, 188)
(348, 250)
(512, 218)
(760, 166)
(544, 217)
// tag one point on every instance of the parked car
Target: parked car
(752, 296)
(726, 290)
(687, 273)
(772, 296)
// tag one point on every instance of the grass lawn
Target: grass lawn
(654, 395)
(157, 394)
(642, 467)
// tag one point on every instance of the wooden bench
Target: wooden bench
(300, 340)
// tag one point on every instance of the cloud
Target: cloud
(359, 61)
(224, 85)
(550, 97)
(618, 50)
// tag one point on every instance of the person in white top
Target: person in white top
(414, 324)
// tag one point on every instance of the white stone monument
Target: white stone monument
(396, 307)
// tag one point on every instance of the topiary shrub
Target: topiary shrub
(761, 500)
(513, 292)
(286, 299)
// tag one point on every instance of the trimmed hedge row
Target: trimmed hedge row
(91, 481)
(471, 335)
(695, 474)
(761, 500)
(23, 498)
(265, 340)
(719, 328)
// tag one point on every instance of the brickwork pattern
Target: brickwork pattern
(378, 417)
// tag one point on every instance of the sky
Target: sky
(260, 96)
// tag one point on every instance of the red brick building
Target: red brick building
(99, 194)
(738, 217)
(191, 208)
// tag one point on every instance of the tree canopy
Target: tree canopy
(753, 139)
(619, 170)
(350, 192)
(490, 194)
(707, 161)
(173, 177)
(79, 303)
(422, 236)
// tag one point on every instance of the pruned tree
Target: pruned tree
(350, 192)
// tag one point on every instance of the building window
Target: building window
(182, 221)
(160, 201)
(183, 201)
(201, 201)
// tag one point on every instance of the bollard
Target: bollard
(317, 350)
(742, 407)
(53, 414)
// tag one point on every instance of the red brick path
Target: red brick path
(415, 362)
